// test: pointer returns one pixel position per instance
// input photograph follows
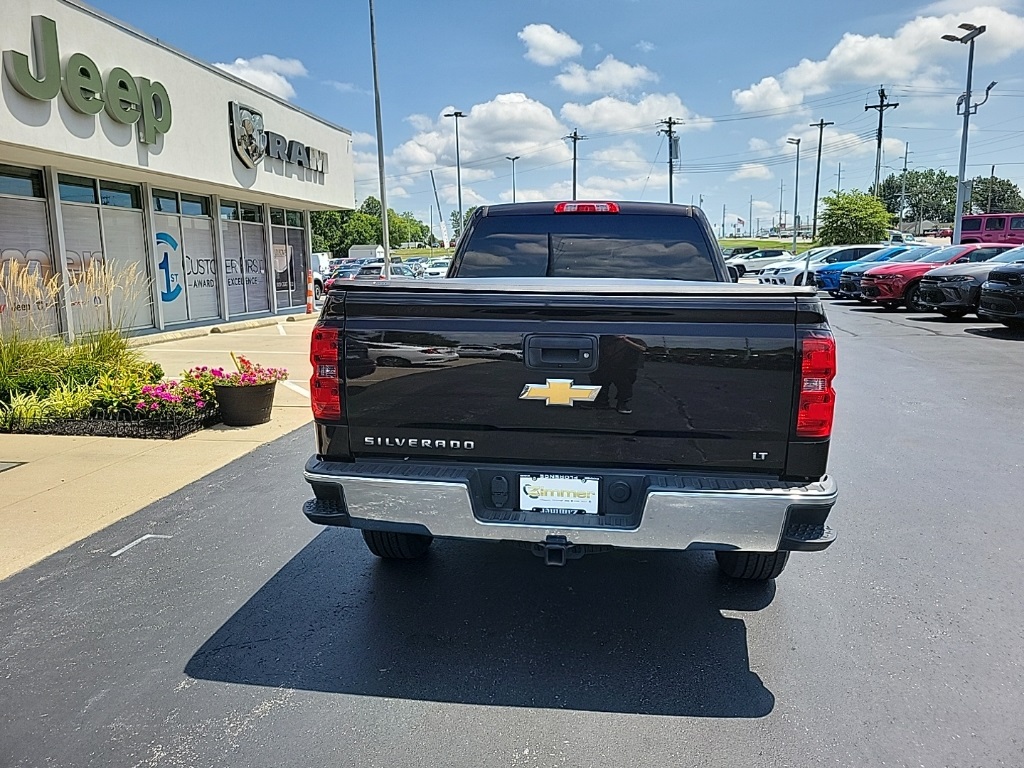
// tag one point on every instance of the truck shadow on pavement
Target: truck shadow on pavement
(488, 624)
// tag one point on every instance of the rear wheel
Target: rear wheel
(397, 546)
(752, 566)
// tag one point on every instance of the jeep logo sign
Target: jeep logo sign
(126, 99)
(252, 142)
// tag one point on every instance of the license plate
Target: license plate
(561, 494)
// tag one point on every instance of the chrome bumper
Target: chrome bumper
(748, 518)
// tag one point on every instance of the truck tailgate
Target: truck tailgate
(707, 375)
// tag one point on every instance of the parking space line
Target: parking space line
(296, 388)
(139, 540)
(281, 330)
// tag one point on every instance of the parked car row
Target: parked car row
(955, 280)
(373, 269)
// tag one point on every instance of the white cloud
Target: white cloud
(623, 157)
(347, 87)
(610, 113)
(268, 72)
(547, 46)
(645, 46)
(759, 145)
(509, 124)
(361, 139)
(757, 171)
(610, 76)
(916, 53)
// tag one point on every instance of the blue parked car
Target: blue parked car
(828, 276)
(849, 281)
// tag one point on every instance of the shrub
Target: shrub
(169, 399)
(71, 402)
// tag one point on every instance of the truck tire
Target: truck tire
(318, 291)
(397, 546)
(753, 566)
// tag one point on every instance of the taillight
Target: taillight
(816, 407)
(586, 207)
(325, 384)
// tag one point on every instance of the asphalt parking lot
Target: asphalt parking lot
(249, 637)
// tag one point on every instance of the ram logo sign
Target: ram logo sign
(253, 142)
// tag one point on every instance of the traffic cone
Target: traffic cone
(309, 292)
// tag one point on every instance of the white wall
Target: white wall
(197, 150)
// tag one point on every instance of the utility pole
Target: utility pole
(750, 218)
(882, 105)
(991, 183)
(782, 186)
(673, 151)
(903, 184)
(820, 125)
(723, 219)
(839, 181)
(576, 139)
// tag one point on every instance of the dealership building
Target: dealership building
(120, 151)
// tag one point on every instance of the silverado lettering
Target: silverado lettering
(701, 410)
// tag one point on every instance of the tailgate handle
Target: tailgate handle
(570, 353)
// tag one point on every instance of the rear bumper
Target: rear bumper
(677, 512)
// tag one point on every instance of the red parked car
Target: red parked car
(893, 284)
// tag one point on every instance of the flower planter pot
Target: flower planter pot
(245, 406)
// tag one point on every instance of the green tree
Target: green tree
(995, 195)
(931, 195)
(371, 205)
(852, 217)
(360, 229)
(328, 230)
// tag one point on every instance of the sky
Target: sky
(742, 77)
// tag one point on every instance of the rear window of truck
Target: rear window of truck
(621, 246)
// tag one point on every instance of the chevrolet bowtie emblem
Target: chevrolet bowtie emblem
(559, 392)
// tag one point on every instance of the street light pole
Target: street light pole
(513, 159)
(386, 242)
(458, 166)
(972, 33)
(796, 204)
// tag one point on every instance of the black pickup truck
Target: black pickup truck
(617, 390)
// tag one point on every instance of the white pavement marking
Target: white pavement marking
(139, 540)
(296, 388)
(281, 330)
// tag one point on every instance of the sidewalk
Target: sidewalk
(66, 488)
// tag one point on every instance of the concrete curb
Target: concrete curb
(206, 330)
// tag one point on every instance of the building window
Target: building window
(290, 256)
(105, 231)
(228, 211)
(120, 195)
(76, 189)
(165, 202)
(23, 182)
(251, 212)
(195, 205)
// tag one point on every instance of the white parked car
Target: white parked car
(753, 262)
(376, 272)
(792, 272)
(437, 268)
